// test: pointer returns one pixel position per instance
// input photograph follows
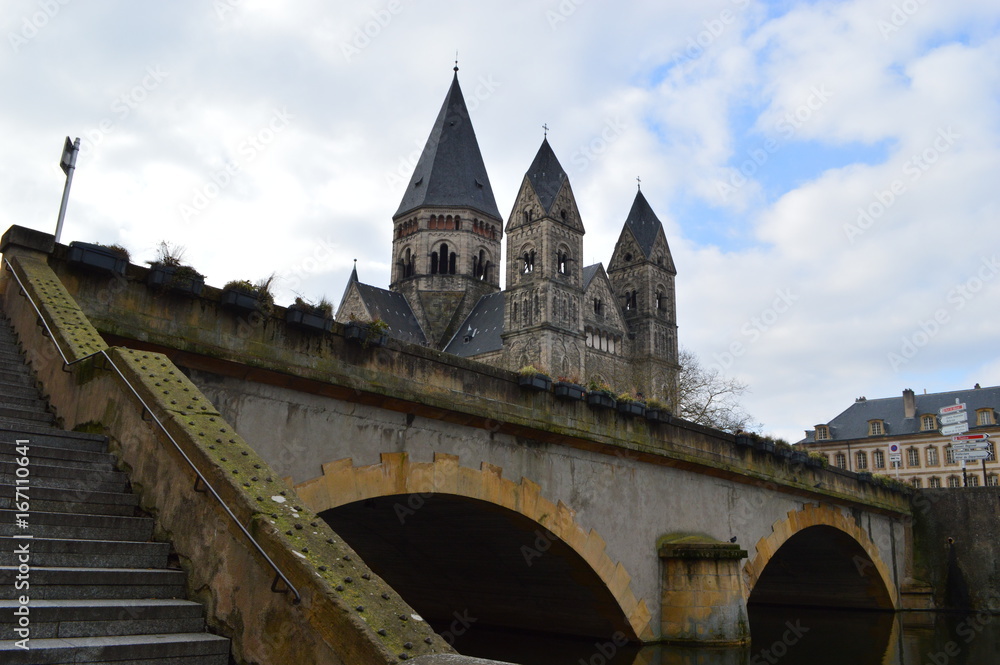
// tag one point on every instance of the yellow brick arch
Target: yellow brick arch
(343, 483)
(796, 521)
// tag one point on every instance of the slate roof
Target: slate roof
(853, 422)
(546, 175)
(450, 171)
(392, 308)
(481, 331)
(589, 272)
(644, 223)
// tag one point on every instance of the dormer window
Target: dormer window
(928, 422)
(985, 417)
(876, 428)
(822, 433)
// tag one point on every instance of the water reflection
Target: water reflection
(789, 636)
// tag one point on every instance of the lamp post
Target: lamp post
(68, 165)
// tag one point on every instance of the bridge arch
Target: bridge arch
(818, 556)
(418, 488)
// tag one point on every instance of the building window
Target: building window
(916, 482)
(992, 480)
(973, 480)
(928, 422)
(861, 460)
(954, 481)
(598, 307)
(631, 300)
(934, 482)
(661, 301)
(878, 459)
(932, 456)
(949, 455)
(984, 417)
(822, 433)
(840, 460)
(562, 262)
(875, 428)
(912, 457)
(529, 262)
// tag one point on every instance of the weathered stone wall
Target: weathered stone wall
(957, 546)
(333, 623)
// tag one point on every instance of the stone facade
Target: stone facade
(573, 321)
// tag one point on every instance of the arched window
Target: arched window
(451, 263)
(934, 482)
(954, 481)
(973, 480)
(529, 262)
(631, 300)
(562, 262)
(661, 300)
(916, 482)
(458, 223)
(434, 263)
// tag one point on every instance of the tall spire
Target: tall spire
(546, 175)
(450, 171)
(644, 223)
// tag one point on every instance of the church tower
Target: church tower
(642, 274)
(543, 324)
(447, 229)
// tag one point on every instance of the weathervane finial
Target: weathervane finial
(456, 62)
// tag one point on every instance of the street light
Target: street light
(68, 164)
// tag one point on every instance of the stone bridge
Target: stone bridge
(476, 499)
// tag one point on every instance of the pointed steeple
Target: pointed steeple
(546, 175)
(643, 223)
(450, 171)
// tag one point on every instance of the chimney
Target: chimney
(909, 404)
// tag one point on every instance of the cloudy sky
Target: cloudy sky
(826, 172)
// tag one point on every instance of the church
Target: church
(615, 325)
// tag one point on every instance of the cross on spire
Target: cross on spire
(456, 62)
(638, 181)
(545, 126)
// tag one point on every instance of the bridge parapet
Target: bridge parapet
(199, 333)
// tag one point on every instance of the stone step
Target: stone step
(67, 553)
(169, 649)
(67, 583)
(37, 434)
(59, 500)
(21, 413)
(48, 475)
(49, 456)
(25, 400)
(72, 525)
(18, 376)
(95, 618)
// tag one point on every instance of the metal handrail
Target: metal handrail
(201, 478)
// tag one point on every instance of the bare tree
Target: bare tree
(707, 397)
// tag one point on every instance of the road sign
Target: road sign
(971, 437)
(953, 418)
(895, 458)
(971, 455)
(954, 408)
(970, 445)
(958, 428)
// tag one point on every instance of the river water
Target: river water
(789, 636)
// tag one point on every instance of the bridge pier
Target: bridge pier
(702, 591)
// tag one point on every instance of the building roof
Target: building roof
(481, 331)
(589, 272)
(853, 422)
(392, 308)
(546, 175)
(450, 171)
(644, 223)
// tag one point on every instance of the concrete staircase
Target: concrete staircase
(100, 591)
